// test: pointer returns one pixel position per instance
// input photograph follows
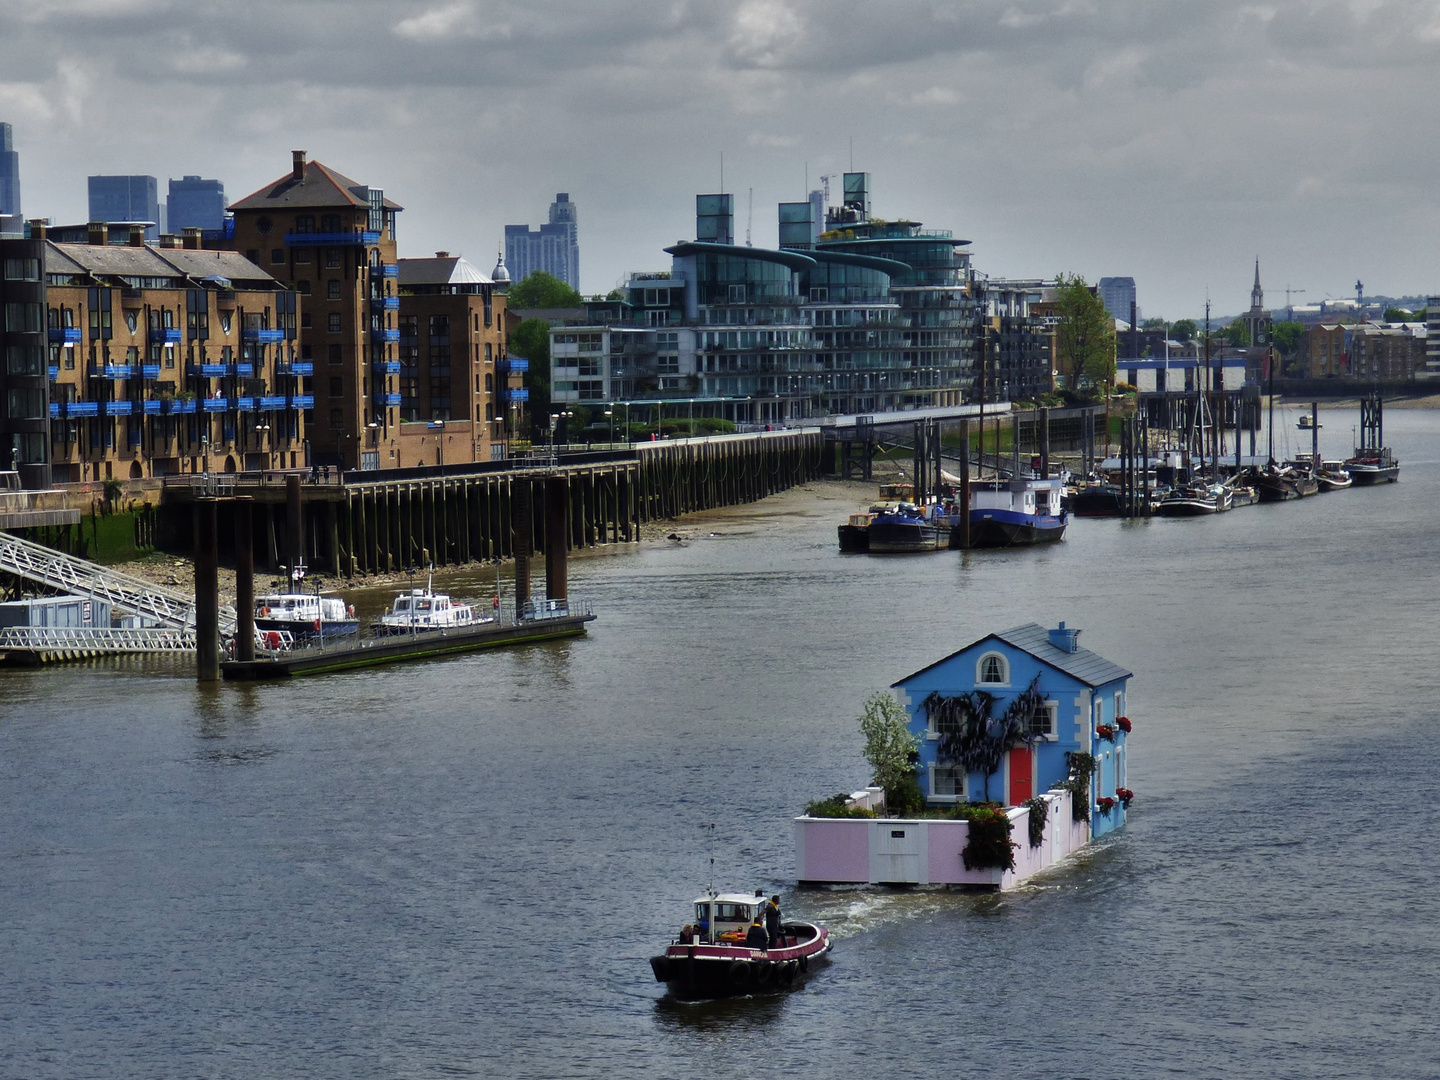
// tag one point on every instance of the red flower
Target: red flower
(1105, 731)
(1123, 723)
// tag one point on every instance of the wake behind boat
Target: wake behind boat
(720, 954)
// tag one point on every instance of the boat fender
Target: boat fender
(350, 610)
(804, 963)
(740, 974)
(764, 972)
(317, 625)
(787, 973)
(264, 612)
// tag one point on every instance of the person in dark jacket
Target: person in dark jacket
(756, 938)
(772, 920)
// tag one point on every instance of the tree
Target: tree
(1286, 336)
(616, 294)
(1184, 329)
(531, 340)
(1153, 324)
(1237, 334)
(893, 753)
(541, 290)
(1399, 314)
(1085, 338)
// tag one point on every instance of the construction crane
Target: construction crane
(1289, 307)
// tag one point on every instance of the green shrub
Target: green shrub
(989, 843)
(836, 807)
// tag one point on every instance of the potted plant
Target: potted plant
(1105, 804)
(1123, 723)
(1105, 731)
(1125, 795)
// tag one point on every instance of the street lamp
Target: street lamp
(610, 422)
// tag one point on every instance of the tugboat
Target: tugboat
(1008, 513)
(710, 958)
(855, 534)
(424, 609)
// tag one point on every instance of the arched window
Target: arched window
(992, 668)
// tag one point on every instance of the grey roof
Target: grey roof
(441, 270)
(122, 260)
(321, 186)
(1084, 665)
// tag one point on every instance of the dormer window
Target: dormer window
(994, 669)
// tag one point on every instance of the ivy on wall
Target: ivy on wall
(973, 737)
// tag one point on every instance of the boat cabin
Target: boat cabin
(726, 916)
(1029, 497)
(420, 603)
(300, 607)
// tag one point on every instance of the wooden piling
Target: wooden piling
(207, 592)
(244, 578)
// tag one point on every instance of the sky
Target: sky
(1174, 141)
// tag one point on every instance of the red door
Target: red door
(1022, 775)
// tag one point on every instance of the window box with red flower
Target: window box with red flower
(1125, 795)
(1105, 804)
(1105, 731)
(1123, 723)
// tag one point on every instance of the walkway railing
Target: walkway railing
(97, 641)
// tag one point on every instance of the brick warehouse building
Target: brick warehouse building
(332, 240)
(150, 361)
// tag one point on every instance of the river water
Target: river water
(460, 868)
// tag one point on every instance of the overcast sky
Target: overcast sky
(1170, 140)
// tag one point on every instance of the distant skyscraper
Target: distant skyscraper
(126, 198)
(9, 182)
(1117, 294)
(195, 204)
(553, 248)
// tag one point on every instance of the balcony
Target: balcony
(111, 371)
(245, 404)
(245, 371)
(267, 404)
(386, 367)
(331, 239)
(391, 336)
(385, 303)
(215, 404)
(518, 393)
(152, 408)
(165, 335)
(263, 334)
(517, 363)
(387, 400)
(390, 270)
(69, 335)
(149, 371)
(180, 407)
(54, 410)
(119, 408)
(54, 374)
(302, 401)
(297, 367)
(79, 408)
(208, 371)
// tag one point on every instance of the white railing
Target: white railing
(37, 563)
(97, 641)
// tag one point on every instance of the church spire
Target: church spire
(1257, 294)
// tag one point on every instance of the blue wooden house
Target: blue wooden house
(1079, 706)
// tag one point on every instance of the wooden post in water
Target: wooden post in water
(1144, 467)
(244, 578)
(521, 538)
(207, 592)
(295, 535)
(1042, 421)
(557, 536)
(1315, 434)
(965, 483)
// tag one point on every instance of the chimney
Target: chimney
(169, 241)
(297, 170)
(37, 228)
(442, 254)
(192, 237)
(99, 233)
(137, 235)
(1065, 640)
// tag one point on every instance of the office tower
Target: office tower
(195, 203)
(553, 248)
(1117, 294)
(127, 198)
(10, 220)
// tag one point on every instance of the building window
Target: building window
(947, 782)
(305, 223)
(305, 320)
(334, 322)
(1043, 723)
(330, 223)
(488, 357)
(335, 356)
(332, 258)
(302, 255)
(337, 387)
(277, 255)
(993, 668)
(337, 420)
(303, 288)
(334, 293)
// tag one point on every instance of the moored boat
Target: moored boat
(1333, 476)
(855, 534)
(1102, 499)
(1195, 500)
(1308, 423)
(1281, 483)
(1008, 513)
(910, 528)
(424, 609)
(306, 616)
(1373, 462)
(709, 958)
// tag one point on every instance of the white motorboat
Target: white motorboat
(424, 609)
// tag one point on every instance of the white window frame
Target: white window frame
(1051, 706)
(961, 780)
(980, 679)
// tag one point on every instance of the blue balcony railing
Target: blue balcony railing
(264, 335)
(274, 402)
(517, 394)
(331, 239)
(245, 371)
(302, 401)
(297, 367)
(392, 336)
(385, 303)
(119, 408)
(386, 367)
(166, 335)
(391, 270)
(387, 399)
(67, 334)
(517, 363)
(179, 407)
(209, 371)
(245, 404)
(54, 374)
(54, 410)
(150, 371)
(215, 404)
(81, 408)
(111, 371)
(152, 408)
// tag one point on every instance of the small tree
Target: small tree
(1085, 337)
(542, 290)
(893, 753)
(1184, 329)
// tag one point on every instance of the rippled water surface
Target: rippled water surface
(459, 868)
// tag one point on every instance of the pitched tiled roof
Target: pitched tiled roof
(322, 186)
(446, 270)
(122, 260)
(1090, 668)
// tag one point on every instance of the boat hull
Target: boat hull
(697, 971)
(1097, 502)
(1002, 528)
(854, 537)
(1187, 507)
(904, 537)
(303, 630)
(1366, 475)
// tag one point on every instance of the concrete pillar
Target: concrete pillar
(521, 539)
(557, 535)
(244, 578)
(294, 532)
(207, 592)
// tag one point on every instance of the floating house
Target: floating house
(1079, 699)
(1031, 700)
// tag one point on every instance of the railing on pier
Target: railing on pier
(81, 641)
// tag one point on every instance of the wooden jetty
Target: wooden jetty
(372, 652)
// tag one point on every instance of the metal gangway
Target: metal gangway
(56, 570)
(50, 643)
